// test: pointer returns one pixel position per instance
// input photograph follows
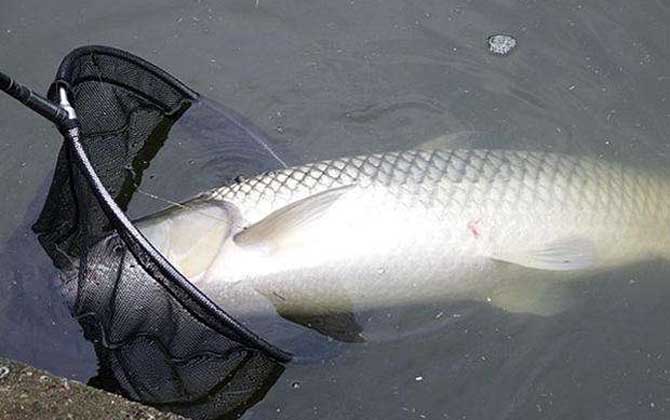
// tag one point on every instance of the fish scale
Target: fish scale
(506, 179)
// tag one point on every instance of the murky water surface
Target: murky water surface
(341, 78)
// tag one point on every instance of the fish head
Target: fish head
(192, 234)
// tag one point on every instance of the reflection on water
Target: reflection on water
(347, 78)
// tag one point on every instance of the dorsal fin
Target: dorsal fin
(458, 140)
(465, 139)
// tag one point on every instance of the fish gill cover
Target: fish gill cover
(157, 338)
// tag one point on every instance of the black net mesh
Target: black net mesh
(159, 340)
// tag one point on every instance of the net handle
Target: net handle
(32, 100)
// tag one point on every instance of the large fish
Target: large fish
(413, 227)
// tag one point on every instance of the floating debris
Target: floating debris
(4, 371)
(501, 44)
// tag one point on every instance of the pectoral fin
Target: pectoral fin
(289, 222)
(561, 255)
(340, 326)
(338, 323)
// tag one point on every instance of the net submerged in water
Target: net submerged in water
(158, 338)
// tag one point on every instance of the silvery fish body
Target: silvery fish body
(413, 227)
